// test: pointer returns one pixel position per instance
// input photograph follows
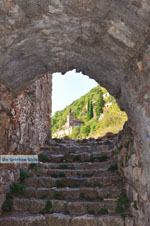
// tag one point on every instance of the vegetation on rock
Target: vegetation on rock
(7, 205)
(99, 112)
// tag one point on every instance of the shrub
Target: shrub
(43, 158)
(91, 158)
(7, 205)
(103, 211)
(122, 204)
(48, 207)
(135, 205)
(103, 158)
(33, 166)
(17, 188)
(93, 127)
(23, 176)
(75, 132)
(113, 167)
(85, 130)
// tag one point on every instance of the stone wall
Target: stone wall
(25, 120)
(129, 149)
(24, 125)
(30, 115)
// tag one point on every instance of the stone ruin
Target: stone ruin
(107, 40)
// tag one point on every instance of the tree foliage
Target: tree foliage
(99, 103)
(89, 110)
(75, 132)
(84, 131)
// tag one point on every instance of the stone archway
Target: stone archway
(106, 40)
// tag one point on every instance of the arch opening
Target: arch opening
(73, 119)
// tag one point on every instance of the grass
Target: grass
(43, 158)
(60, 174)
(135, 205)
(107, 196)
(103, 158)
(103, 211)
(91, 158)
(17, 188)
(33, 166)
(122, 204)
(118, 149)
(113, 167)
(7, 205)
(23, 176)
(48, 207)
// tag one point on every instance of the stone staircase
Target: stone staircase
(71, 187)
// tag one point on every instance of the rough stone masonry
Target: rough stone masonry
(108, 40)
(24, 125)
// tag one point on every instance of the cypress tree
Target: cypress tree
(89, 110)
(99, 104)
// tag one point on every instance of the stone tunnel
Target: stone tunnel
(108, 40)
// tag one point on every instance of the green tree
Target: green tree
(99, 104)
(85, 130)
(88, 106)
(93, 127)
(90, 110)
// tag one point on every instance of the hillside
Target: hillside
(112, 119)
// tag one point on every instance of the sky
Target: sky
(69, 87)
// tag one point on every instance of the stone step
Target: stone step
(56, 219)
(83, 142)
(75, 165)
(24, 219)
(77, 149)
(74, 157)
(72, 208)
(72, 173)
(72, 181)
(74, 194)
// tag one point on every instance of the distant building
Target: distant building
(101, 116)
(108, 104)
(67, 128)
(105, 95)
